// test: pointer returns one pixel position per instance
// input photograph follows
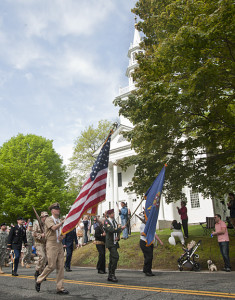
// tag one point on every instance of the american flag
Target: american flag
(93, 191)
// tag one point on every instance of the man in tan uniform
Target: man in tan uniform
(54, 250)
(40, 244)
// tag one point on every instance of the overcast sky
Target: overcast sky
(61, 65)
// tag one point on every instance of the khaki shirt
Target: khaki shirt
(50, 234)
(38, 234)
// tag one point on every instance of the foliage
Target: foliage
(32, 174)
(183, 110)
(85, 146)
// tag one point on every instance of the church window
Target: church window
(194, 197)
(133, 56)
(119, 179)
(121, 139)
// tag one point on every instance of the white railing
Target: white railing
(126, 89)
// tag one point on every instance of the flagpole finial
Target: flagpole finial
(115, 125)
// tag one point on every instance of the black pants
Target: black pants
(101, 261)
(148, 256)
(185, 227)
(69, 253)
(113, 259)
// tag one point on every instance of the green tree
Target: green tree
(85, 146)
(183, 110)
(32, 174)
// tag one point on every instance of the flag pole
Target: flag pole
(128, 221)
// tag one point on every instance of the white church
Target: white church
(198, 207)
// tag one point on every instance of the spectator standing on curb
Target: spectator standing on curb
(80, 232)
(184, 217)
(85, 232)
(123, 213)
(221, 232)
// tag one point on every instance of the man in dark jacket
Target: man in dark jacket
(16, 237)
(68, 245)
(113, 231)
(231, 207)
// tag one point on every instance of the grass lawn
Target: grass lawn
(165, 257)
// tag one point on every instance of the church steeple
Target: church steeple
(133, 50)
(137, 38)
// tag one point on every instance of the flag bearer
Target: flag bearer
(54, 250)
(113, 231)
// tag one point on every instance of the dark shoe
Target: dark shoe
(14, 274)
(112, 278)
(37, 286)
(149, 274)
(64, 292)
(226, 269)
(100, 272)
(36, 274)
(68, 270)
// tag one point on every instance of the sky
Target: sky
(61, 65)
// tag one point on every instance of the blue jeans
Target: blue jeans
(16, 258)
(224, 249)
(125, 232)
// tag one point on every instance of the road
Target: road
(86, 284)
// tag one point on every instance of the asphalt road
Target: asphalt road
(86, 284)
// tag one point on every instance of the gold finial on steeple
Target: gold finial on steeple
(135, 22)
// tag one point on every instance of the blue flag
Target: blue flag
(152, 206)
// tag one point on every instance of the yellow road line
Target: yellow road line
(140, 288)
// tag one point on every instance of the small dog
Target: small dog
(212, 267)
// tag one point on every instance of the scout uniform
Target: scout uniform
(113, 231)
(3, 246)
(40, 245)
(55, 253)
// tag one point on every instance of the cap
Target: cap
(30, 224)
(54, 206)
(3, 224)
(110, 211)
(44, 214)
(20, 218)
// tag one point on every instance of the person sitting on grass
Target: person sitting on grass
(176, 233)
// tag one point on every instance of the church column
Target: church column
(115, 189)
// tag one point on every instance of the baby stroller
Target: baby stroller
(188, 258)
